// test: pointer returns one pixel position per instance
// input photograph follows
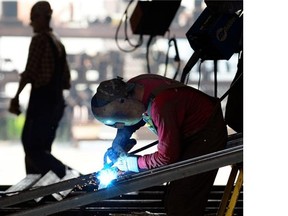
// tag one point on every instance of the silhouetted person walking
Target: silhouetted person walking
(48, 73)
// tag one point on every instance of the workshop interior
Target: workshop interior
(196, 42)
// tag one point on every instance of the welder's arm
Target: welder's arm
(122, 143)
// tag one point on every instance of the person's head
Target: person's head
(40, 16)
(113, 105)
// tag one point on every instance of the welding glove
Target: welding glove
(127, 163)
(117, 150)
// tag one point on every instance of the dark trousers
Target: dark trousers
(38, 134)
(188, 196)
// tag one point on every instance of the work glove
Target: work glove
(118, 149)
(127, 163)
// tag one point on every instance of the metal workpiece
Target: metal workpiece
(134, 182)
(34, 193)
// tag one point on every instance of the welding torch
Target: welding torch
(111, 172)
(113, 154)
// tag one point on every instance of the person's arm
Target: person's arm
(31, 69)
(22, 83)
(168, 148)
(122, 142)
(14, 107)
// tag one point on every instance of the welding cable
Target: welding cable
(189, 65)
(143, 148)
(234, 81)
(147, 52)
(166, 60)
(199, 80)
(228, 91)
(140, 40)
(177, 56)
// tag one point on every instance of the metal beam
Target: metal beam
(233, 140)
(142, 180)
(103, 31)
(42, 191)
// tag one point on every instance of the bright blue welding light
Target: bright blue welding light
(105, 176)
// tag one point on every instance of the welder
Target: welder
(188, 123)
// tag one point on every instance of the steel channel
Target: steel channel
(41, 191)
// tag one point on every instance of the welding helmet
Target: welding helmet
(112, 106)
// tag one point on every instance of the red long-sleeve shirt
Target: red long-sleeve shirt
(177, 114)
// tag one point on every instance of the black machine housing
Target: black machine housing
(216, 35)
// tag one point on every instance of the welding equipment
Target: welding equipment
(153, 17)
(214, 36)
(217, 34)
